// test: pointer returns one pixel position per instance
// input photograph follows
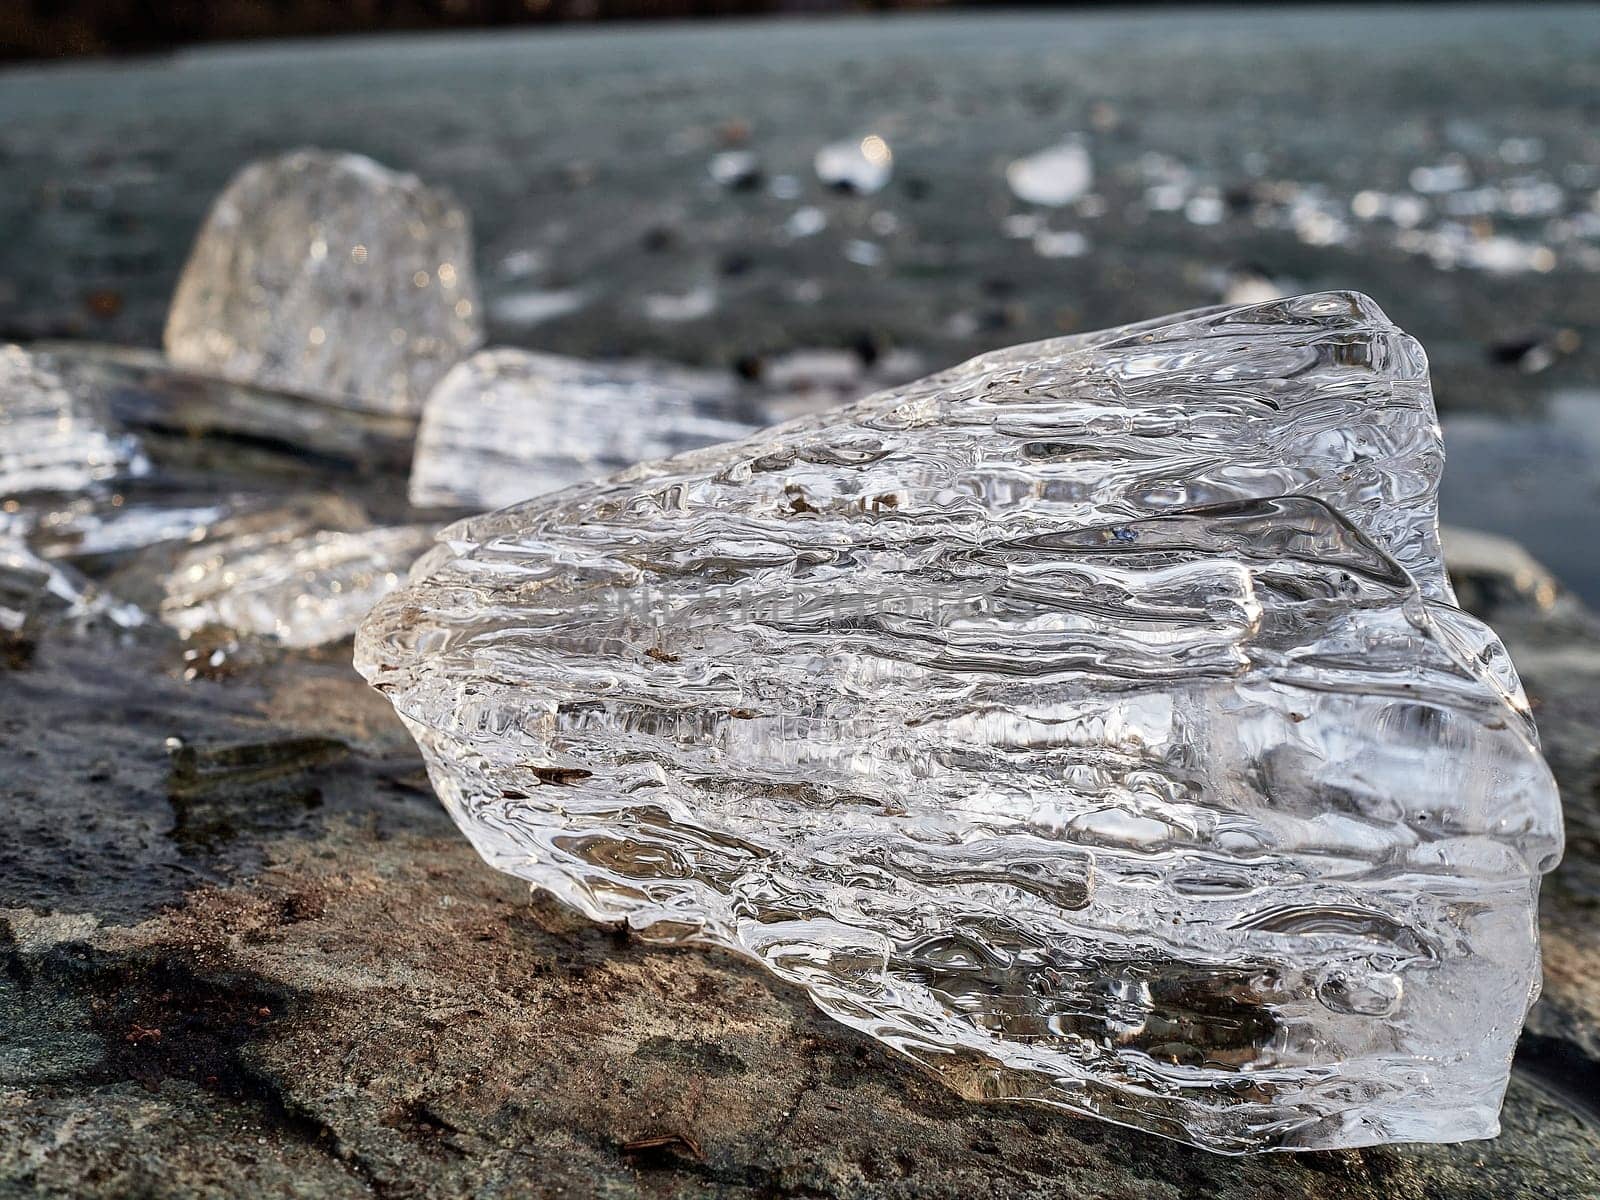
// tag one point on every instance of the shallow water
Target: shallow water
(1536, 480)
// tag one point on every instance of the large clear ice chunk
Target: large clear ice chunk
(329, 274)
(1092, 722)
(505, 425)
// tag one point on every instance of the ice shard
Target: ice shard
(51, 439)
(505, 425)
(1052, 177)
(35, 593)
(166, 405)
(329, 274)
(1092, 722)
(303, 591)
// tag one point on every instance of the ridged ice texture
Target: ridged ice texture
(304, 591)
(330, 274)
(1091, 722)
(506, 425)
(50, 440)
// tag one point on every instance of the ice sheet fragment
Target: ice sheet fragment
(51, 439)
(330, 274)
(1052, 177)
(305, 591)
(144, 392)
(505, 425)
(1092, 722)
(35, 593)
(736, 170)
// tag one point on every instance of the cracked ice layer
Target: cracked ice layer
(505, 425)
(50, 440)
(305, 591)
(1091, 722)
(330, 274)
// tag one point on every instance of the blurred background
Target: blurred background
(654, 189)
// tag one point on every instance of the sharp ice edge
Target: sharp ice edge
(505, 425)
(330, 274)
(51, 439)
(304, 591)
(144, 391)
(1091, 722)
(35, 592)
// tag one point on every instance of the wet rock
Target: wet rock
(1491, 574)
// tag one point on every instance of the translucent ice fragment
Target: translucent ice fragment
(327, 273)
(103, 531)
(50, 438)
(307, 591)
(1052, 177)
(1065, 243)
(860, 165)
(805, 221)
(1092, 722)
(1448, 176)
(35, 593)
(535, 307)
(505, 425)
(146, 393)
(699, 301)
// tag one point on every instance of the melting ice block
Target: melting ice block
(329, 274)
(1092, 722)
(505, 425)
